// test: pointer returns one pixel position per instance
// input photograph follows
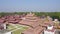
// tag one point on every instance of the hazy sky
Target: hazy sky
(29, 5)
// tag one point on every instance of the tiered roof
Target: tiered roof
(30, 19)
(33, 21)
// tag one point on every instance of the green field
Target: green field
(16, 28)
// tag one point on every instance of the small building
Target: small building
(49, 30)
(2, 26)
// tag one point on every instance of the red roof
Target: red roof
(1, 21)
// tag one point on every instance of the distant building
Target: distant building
(56, 21)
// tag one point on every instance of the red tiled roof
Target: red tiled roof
(1, 21)
(36, 30)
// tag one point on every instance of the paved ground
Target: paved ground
(16, 28)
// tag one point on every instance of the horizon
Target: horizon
(29, 5)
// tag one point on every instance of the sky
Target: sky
(29, 5)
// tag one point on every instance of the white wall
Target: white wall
(4, 26)
(48, 32)
(50, 28)
(8, 33)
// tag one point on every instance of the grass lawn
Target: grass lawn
(16, 26)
